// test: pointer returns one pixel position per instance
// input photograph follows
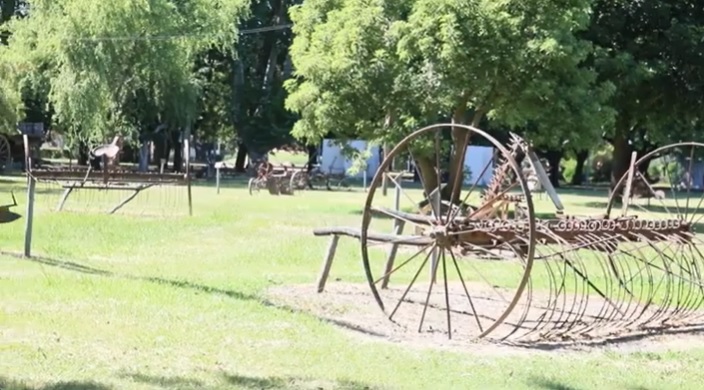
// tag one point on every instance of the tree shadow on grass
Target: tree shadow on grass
(548, 384)
(7, 384)
(249, 382)
(66, 265)
(183, 284)
(174, 382)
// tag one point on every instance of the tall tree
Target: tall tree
(653, 52)
(259, 72)
(100, 57)
(370, 67)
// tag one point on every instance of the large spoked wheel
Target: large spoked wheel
(461, 261)
(5, 153)
(299, 180)
(254, 185)
(661, 273)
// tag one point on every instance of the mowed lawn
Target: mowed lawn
(130, 302)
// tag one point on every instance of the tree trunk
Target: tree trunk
(241, 158)
(554, 157)
(578, 178)
(621, 156)
(162, 149)
(312, 156)
(428, 175)
(178, 151)
(83, 154)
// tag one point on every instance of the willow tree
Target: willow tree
(101, 57)
(375, 68)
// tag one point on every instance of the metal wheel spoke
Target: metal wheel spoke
(469, 297)
(413, 281)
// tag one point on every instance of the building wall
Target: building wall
(333, 161)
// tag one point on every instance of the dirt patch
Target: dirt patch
(353, 308)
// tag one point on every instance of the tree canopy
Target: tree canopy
(99, 57)
(375, 69)
(555, 71)
(653, 52)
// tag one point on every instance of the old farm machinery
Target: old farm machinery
(111, 187)
(285, 179)
(276, 179)
(474, 259)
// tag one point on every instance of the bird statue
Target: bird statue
(7, 216)
(109, 151)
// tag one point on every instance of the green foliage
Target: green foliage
(102, 58)
(652, 52)
(375, 69)
(568, 170)
(10, 102)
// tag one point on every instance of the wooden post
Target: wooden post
(144, 157)
(398, 229)
(385, 179)
(327, 262)
(629, 183)
(187, 145)
(31, 186)
(217, 178)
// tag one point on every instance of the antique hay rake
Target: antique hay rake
(117, 185)
(118, 188)
(496, 270)
(276, 179)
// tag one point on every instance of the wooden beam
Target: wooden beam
(327, 262)
(377, 237)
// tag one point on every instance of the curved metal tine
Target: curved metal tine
(415, 277)
(665, 308)
(550, 307)
(632, 315)
(430, 287)
(386, 275)
(697, 264)
(666, 275)
(469, 297)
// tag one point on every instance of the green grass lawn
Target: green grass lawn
(129, 302)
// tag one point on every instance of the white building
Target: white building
(475, 160)
(332, 160)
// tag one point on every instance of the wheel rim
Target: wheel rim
(445, 253)
(663, 279)
(298, 180)
(252, 185)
